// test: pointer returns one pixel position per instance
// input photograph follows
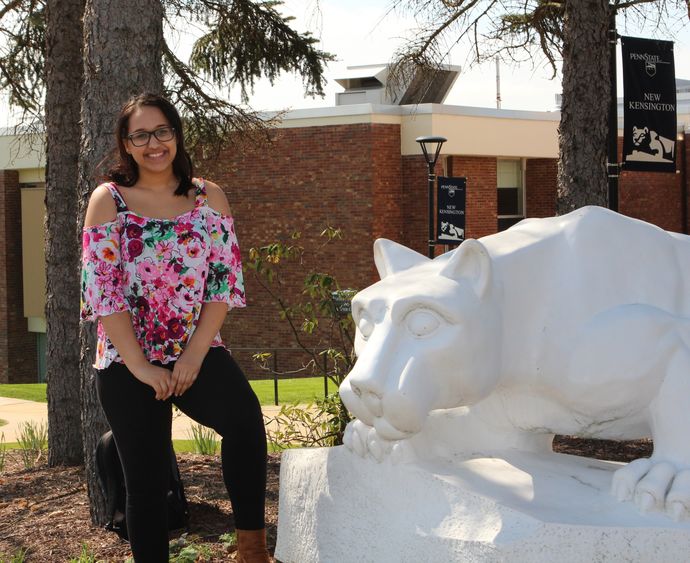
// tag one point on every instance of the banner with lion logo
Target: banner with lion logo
(649, 105)
(450, 210)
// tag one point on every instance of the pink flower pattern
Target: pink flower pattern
(161, 272)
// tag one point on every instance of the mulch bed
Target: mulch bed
(45, 510)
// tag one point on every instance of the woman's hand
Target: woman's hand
(157, 377)
(185, 371)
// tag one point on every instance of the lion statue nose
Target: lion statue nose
(372, 402)
(370, 399)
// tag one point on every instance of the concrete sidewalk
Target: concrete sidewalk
(18, 411)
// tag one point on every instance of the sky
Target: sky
(366, 32)
(361, 32)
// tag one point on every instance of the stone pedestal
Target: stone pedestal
(338, 508)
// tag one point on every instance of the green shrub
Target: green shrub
(3, 452)
(18, 557)
(85, 556)
(321, 325)
(317, 424)
(185, 550)
(33, 442)
(205, 441)
(228, 540)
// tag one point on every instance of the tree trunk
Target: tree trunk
(63, 66)
(122, 56)
(582, 177)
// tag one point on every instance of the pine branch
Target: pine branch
(22, 56)
(211, 122)
(248, 40)
(619, 6)
(11, 6)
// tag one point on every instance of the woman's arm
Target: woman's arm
(189, 363)
(118, 325)
(211, 317)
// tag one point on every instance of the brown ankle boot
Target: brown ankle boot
(251, 547)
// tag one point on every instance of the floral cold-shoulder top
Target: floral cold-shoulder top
(161, 271)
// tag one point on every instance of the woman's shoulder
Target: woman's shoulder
(102, 206)
(217, 200)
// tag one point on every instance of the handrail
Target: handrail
(276, 375)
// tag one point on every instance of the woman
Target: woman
(161, 268)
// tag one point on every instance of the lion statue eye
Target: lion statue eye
(365, 327)
(422, 322)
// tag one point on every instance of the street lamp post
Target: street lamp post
(431, 148)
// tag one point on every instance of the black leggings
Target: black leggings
(220, 398)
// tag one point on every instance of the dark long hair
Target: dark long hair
(124, 170)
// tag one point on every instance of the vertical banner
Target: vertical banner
(450, 210)
(649, 105)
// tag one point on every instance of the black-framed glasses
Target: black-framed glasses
(142, 138)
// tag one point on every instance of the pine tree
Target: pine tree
(574, 32)
(63, 71)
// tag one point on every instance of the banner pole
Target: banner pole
(431, 182)
(612, 167)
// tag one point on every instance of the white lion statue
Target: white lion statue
(576, 325)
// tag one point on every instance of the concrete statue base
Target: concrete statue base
(336, 507)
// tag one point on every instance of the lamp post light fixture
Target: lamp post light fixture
(431, 148)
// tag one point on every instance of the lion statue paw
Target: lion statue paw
(654, 485)
(363, 440)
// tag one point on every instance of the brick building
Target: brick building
(356, 167)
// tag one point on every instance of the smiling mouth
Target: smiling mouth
(156, 155)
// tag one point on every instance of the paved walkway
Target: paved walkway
(17, 411)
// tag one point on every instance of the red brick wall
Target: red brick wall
(481, 206)
(387, 188)
(344, 176)
(652, 197)
(18, 360)
(415, 203)
(540, 187)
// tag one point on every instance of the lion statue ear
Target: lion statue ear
(471, 261)
(391, 257)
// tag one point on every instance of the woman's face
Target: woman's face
(156, 155)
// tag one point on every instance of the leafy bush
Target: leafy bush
(321, 314)
(185, 550)
(317, 424)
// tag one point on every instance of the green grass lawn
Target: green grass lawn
(180, 446)
(300, 390)
(26, 391)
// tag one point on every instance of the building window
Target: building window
(511, 197)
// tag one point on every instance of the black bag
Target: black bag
(112, 482)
